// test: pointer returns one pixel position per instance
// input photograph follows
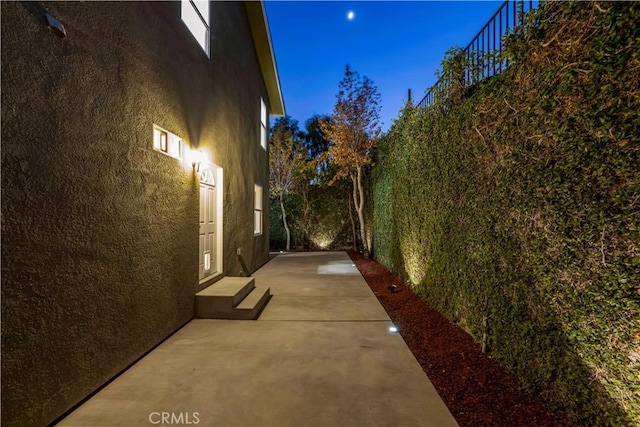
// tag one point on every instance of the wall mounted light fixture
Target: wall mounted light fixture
(197, 158)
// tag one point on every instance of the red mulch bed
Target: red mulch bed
(476, 388)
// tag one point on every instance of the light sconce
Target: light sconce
(197, 158)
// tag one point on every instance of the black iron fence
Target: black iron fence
(481, 58)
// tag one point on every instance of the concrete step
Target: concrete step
(231, 298)
(221, 298)
(251, 307)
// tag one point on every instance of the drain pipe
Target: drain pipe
(243, 265)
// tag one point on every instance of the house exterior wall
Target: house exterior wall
(99, 231)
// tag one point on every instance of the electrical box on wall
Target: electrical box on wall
(55, 26)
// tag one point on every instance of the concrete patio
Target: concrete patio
(319, 355)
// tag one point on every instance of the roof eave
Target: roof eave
(262, 40)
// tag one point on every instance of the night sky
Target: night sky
(399, 45)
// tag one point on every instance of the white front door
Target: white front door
(208, 226)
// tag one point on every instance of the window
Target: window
(167, 143)
(257, 210)
(263, 124)
(195, 14)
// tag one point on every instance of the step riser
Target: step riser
(237, 298)
(252, 313)
(208, 305)
(246, 304)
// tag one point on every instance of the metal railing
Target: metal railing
(482, 55)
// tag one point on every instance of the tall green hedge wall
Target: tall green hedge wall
(515, 209)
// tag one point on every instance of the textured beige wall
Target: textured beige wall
(100, 232)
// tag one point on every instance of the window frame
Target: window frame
(173, 145)
(205, 21)
(258, 218)
(264, 122)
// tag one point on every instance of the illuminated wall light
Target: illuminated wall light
(197, 158)
(393, 329)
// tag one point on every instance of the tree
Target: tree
(353, 131)
(314, 140)
(286, 160)
(317, 146)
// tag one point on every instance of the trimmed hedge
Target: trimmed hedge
(515, 209)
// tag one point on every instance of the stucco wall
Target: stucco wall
(232, 135)
(99, 231)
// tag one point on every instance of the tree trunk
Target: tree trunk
(353, 224)
(306, 208)
(485, 325)
(360, 208)
(284, 221)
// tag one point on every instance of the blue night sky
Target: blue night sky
(398, 45)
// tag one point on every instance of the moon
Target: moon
(350, 15)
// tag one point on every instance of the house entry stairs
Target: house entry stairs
(234, 298)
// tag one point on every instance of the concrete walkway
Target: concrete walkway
(320, 355)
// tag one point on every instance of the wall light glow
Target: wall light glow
(197, 157)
